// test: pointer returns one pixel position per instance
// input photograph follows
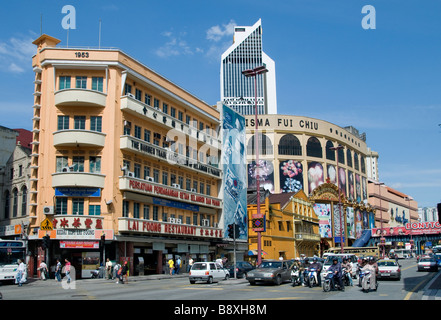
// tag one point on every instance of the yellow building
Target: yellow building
(291, 226)
(120, 150)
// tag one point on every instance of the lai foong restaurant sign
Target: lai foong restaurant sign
(165, 228)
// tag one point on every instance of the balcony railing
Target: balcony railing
(141, 147)
(136, 107)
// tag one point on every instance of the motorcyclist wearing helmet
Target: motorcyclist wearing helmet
(318, 267)
(371, 278)
(335, 268)
(347, 266)
(303, 270)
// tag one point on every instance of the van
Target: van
(340, 256)
(207, 272)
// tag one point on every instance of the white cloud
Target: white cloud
(16, 54)
(176, 45)
(216, 33)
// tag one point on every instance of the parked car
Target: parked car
(274, 271)
(388, 269)
(427, 263)
(242, 268)
(208, 272)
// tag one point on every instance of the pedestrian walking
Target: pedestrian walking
(190, 264)
(109, 266)
(171, 266)
(178, 265)
(58, 271)
(67, 269)
(43, 271)
(124, 271)
(19, 278)
(117, 270)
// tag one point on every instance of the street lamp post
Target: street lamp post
(339, 199)
(410, 221)
(382, 238)
(253, 73)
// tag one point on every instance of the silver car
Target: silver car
(427, 263)
(273, 271)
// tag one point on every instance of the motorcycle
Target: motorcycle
(295, 277)
(311, 277)
(346, 278)
(327, 282)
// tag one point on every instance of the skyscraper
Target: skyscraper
(237, 91)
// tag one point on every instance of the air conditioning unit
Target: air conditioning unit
(67, 169)
(48, 210)
(127, 123)
(176, 185)
(130, 174)
(151, 179)
(193, 190)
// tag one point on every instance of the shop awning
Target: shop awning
(254, 253)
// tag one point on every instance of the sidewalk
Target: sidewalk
(432, 291)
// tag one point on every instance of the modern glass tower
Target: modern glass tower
(237, 91)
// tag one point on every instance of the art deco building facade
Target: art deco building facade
(238, 91)
(120, 151)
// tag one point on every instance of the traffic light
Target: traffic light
(237, 231)
(102, 241)
(46, 241)
(230, 231)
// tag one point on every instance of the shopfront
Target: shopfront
(77, 239)
(151, 244)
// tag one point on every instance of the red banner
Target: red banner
(414, 228)
(79, 244)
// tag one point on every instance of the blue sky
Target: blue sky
(385, 82)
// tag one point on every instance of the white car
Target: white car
(207, 272)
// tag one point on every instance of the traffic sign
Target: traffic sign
(46, 224)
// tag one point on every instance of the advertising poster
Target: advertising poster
(351, 184)
(414, 228)
(323, 212)
(316, 176)
(332, 174)
(358, 223)
(235, 171)
(338, 221)
(266, 175)
(291, 176)
(342, 180)
(350, 222)
(357, 188)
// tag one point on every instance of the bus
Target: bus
(10, 252)
(358, 251)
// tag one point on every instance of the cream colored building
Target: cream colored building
(296, 155)
(122, 151)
